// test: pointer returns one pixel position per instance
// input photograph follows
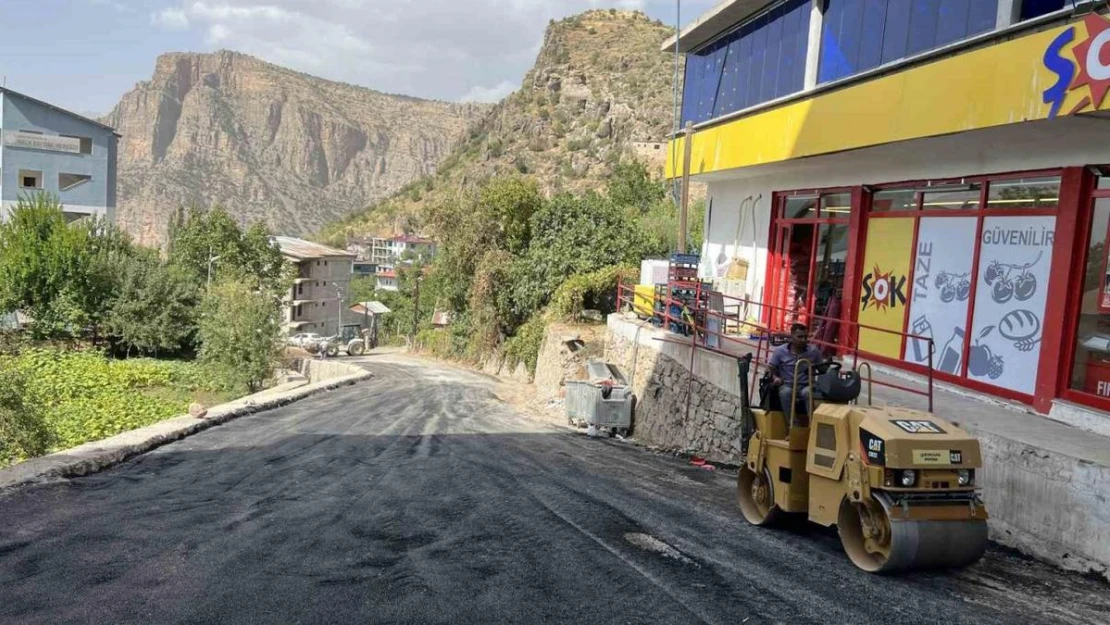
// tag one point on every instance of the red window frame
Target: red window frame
(774, 318)
(861, 215)
(1086, 204)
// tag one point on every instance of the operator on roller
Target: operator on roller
(783, 360)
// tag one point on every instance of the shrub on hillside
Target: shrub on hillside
(594, 290)
(23, 430)
(240, 334)
(524, 346)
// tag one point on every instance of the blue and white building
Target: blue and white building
(44, 148)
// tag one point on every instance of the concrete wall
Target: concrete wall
(94, 197)
(1045, 501)
(317, 370)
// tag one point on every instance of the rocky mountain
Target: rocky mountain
(600, 91)
(268, 143)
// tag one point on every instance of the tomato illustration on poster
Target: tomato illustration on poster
(1015, 260)
(941, 291)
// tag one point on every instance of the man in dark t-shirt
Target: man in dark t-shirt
(783, 360)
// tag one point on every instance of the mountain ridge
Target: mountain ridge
(269, 143)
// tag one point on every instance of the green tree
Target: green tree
(631, 186)
(198, 236)
(155, 307)
(507, 205)
(61, 274)
(659, 225)
(239, 333)
(572, 235)
(23, 429)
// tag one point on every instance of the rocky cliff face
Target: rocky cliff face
(600, 91)
(269, 143)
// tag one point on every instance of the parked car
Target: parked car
(305, 339)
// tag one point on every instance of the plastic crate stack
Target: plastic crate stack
(682, 289)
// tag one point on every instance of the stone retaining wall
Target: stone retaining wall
(659, 376)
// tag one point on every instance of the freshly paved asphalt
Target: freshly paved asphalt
(419, 497)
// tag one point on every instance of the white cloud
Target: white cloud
(170, 19)
(496, 93)
(444, 49)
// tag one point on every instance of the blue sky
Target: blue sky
(84, 54)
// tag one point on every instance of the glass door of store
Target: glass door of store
(810, 238)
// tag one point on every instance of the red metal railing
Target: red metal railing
(760, 339)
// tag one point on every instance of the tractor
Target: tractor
(899, 484)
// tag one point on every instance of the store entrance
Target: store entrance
(811, 253)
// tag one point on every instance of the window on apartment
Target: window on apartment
(300, 289)
(86, 143)
(29, 179)
(69, 181)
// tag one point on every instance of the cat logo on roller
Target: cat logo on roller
(898, 484)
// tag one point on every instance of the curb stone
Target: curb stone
(100, 455)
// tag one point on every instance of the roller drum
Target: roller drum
(935, 544)
(877, 544)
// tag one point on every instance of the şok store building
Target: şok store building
(934, 167)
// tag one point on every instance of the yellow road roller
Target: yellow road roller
(899, 484)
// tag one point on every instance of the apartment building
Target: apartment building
(317, 299)
(46, 149)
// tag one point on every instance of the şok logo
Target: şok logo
(883, 290)
(1090, 66)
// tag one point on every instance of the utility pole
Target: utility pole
(211, 259)
(683, 213)
(416, 310)
(677, 109)
(339, 303)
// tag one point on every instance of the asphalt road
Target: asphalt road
(419, 497)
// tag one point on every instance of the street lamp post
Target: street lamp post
(211, 259)
(339, 302)
(415, 311)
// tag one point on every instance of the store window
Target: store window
(811, 241)
(1025, 193)
(800, 207)
(957, 197)
(1091, 366)
(894, 200)
(968, 276)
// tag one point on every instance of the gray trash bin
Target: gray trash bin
(605, 406)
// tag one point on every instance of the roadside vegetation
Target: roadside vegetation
(511, 260)
(121, 336)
